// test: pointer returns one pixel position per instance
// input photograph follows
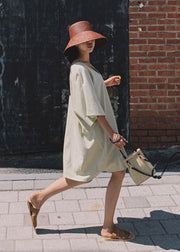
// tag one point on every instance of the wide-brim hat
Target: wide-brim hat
(81, 32)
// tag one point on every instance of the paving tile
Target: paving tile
(177, 188)
(171, 226)
(61, 218)
(42, 220)
(11, 220)
(166, 242)
(124, 192)
(171, 179)
(91, 205)
(48, 207)
(120, 203)
(140, 244)
(163, 189)
(73, 232)
(28, 246)
(176, 199)
(6, 246)
(88, 245)
(140, 190)
(18, 207)
(93, 183)
(74, 194)
(2, 233)
(4, 208)
(149, 227)
(95, 193)
(55, 245)
(25, 193)
(86, 218)
(23, 185)
(117, 215)
(67, 206)
(160, 201)
(93, 231)
(46, 232)
(109, 246)
(175, 211)
(41, 184)
(5, 185)
(8, 196)
(159, 213)
(134, 213)
(19, 233)
(102, 182)
(136, 202)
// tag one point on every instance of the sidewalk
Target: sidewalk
(71, 221)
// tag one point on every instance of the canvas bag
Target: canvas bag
(139, 167)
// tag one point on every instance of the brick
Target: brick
(5, 185)
(67, 206)
(61, 218)
(8, 196)
(140, 191)
(3, 208)
(48, 207)
(167, 242)
(84, 245)
(11, 220)
(111, 246)
(143, 243)
(29, 246)
(74, 194)
(149, 227)
(86, 218)
(23, 185)
(176, 199)
(134, 214)
(41, 184)
(96, 193)
(2, 233)
(160, 200)
(91, 205)
(163, 189)
(6, 246)
(73, 232)
(134, 202)
(16, 233)
(56, 245)
(18, 207)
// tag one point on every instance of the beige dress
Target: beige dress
(87, 148)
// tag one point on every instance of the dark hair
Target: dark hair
(72, 53)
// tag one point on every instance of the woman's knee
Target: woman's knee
(119, 175)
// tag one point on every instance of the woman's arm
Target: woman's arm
(112, 81)
(114, 136)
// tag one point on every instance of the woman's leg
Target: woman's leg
(38, 198)
(112, 195)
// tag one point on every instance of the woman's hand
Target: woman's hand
(112, 81)
(121, 143)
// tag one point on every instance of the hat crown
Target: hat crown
(78, 27)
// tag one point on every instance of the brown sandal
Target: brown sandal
(120, 235)
(33, 213)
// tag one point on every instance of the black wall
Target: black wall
(34, 72)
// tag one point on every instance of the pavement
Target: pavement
(72, 220)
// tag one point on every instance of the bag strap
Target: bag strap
(153, 176)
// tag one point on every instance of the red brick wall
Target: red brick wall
(154, 71)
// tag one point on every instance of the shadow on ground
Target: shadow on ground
(160, 229)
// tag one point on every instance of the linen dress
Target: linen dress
(87, 148)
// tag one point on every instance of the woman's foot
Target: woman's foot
(33, 213)
(116, 233)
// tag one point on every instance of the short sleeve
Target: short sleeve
(85, 102)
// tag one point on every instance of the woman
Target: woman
(92, 141)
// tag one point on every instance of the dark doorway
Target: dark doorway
(34, 72)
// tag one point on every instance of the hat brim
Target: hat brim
(86, 36)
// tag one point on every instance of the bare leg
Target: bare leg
(60, 185)
(112, 195)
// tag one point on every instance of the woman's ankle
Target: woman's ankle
(36, 200)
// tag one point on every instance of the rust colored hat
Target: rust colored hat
(82, 32)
